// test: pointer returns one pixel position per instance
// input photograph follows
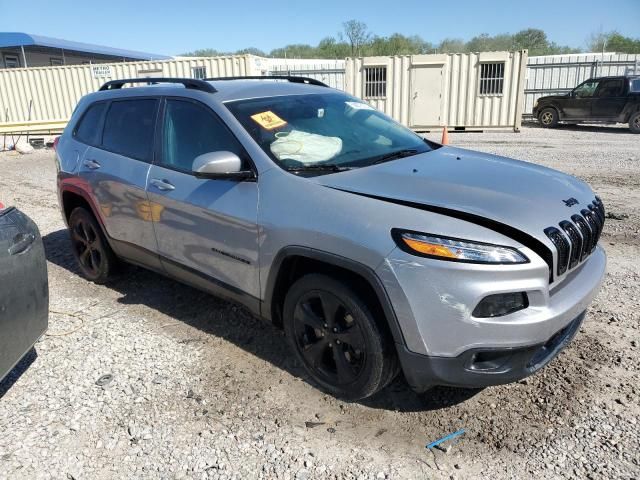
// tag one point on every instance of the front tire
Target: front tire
(634, 122)
(548, 118)
(336, 338)
(95, 258)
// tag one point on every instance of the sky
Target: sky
(173, 27)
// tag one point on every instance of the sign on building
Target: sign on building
(101, 71)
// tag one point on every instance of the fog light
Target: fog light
(501, 304)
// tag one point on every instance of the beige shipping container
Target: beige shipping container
(49, 94)
(466, 91)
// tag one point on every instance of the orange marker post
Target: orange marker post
(445, 136)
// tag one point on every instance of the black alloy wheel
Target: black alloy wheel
(342, 345)
(95, 258)
(328, 337)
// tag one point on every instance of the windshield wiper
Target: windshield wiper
(327, 167)
(407, 152)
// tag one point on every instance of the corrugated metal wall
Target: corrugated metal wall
(330, 72)
(54, 91)
(459, 101)
(558, 74)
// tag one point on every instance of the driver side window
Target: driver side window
(191, 129)
(587, 89)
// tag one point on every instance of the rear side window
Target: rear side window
(190, 130)
(129, 127)
(89, 128)
(635, 85)
(610, 88)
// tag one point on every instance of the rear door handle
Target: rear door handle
(92, 164)
(163, 185)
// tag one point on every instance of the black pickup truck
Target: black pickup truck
(598, 100)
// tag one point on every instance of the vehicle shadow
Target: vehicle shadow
(14, 375)
(233, 323)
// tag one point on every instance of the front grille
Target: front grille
(577, 238)
(562, 247)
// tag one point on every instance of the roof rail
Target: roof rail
(192, 83)
(290, 78)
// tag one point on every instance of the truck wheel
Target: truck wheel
(634, 122)
(548, 118)
(95, 258)
(336, 338)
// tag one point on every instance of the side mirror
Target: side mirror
(221, 165)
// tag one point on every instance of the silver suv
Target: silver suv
(376, 250)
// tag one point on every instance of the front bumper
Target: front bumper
(444, 344)
(477, 368)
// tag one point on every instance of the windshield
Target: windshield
(329, 132)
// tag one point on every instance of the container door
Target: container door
(426, 95)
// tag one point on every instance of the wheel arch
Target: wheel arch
(292, 262)
(558, 110)
(74, 197)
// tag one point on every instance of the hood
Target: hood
(482, 188)
(552, 97)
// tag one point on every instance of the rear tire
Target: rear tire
(634, 122)
(95, 258)
(336, 338)
(548, 118)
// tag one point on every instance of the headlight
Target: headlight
(455, 249)
(535, 104)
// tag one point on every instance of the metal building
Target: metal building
(20, 50)
(466, 91)
(558, 74)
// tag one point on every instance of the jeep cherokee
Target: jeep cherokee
(376, 250)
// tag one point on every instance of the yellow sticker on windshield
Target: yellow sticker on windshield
(268, 120)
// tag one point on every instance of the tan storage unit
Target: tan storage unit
(51, 93)
(472, 91)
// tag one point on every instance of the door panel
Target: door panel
(116, 174)
(609, 100)
(578, 105)
(24, 291)
(117, 185)
(207, 225)
(426, 95)
(578, 108)
(203, 225)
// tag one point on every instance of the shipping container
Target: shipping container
(466, 91)
(49, 94)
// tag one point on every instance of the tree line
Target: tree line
(355, 39)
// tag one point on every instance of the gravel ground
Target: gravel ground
(201, 389)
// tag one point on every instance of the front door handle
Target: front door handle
(163, 185)
(92, 164)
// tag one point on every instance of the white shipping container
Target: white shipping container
(49, 94)
(468, 91)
